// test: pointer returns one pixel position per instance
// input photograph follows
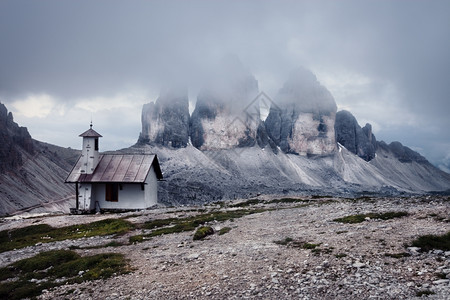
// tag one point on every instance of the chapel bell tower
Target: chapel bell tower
(89, 153)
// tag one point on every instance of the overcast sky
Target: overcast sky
(65, 62)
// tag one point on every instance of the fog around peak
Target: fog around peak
(385, 61)
(308, 95)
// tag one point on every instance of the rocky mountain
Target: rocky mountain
(303, 147)
(14, 139)
(220, 119)
(302, 121)
(357, 140)
(224, 150)
(32, 173)
(166, 122)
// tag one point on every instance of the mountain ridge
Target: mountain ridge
(315, 148)
(222, 151)
(32, 172)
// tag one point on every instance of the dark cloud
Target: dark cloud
(86, 49)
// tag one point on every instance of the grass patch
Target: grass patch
(352, 219)
(424, 293)
(430, 242)
(274, 201)
(340, 255)
(203, 232)
(138, 238)
(30, 235)
(287, 200)
(320, 196)
(53, 268)
(176, 225)
(310, 246)
(110, 244)
(397, 255)
(224, 230)
(298, 244)
(131, 216)
(159, 223)
(247, 203)
(284, 242)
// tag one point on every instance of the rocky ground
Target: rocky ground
(351, 260)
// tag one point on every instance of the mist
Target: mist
(64, 63)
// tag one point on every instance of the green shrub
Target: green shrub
(340, 255)
(203, 232)
(30, 235)
(177, 225)
(287, 200)
(45, 260)
(159, 223)
(136, 239)
(52, 266)
(224, 230)
(430, 242)
(284, 242)
(424, 293)
(247, 203)
(309, 246)
(397, 255)
(110, 244)
(352, 219)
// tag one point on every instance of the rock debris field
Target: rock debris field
(282, 250)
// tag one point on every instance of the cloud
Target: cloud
(39, 106)
(386, 61)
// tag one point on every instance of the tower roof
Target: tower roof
(90, 133)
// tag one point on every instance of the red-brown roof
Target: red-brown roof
(126, 168)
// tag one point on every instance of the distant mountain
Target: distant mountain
(225, 151)
(303, 146)
(302, 119)
(32, 173)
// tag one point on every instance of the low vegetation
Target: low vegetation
(431, 242)
(284, 242)
(288, 200)
(203, 232)
(297, 244)
(274, 201)
(27, 278)
(42, 233)
(424, 293)
(352, 219)
(110, 244)
(175, 225)
(397, 255)
(309, 246)
(247, 203)
(340, 255)
(137, 239)
(224, 230)
(320, 196)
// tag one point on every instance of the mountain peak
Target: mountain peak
(14, 138)
(303, 90)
